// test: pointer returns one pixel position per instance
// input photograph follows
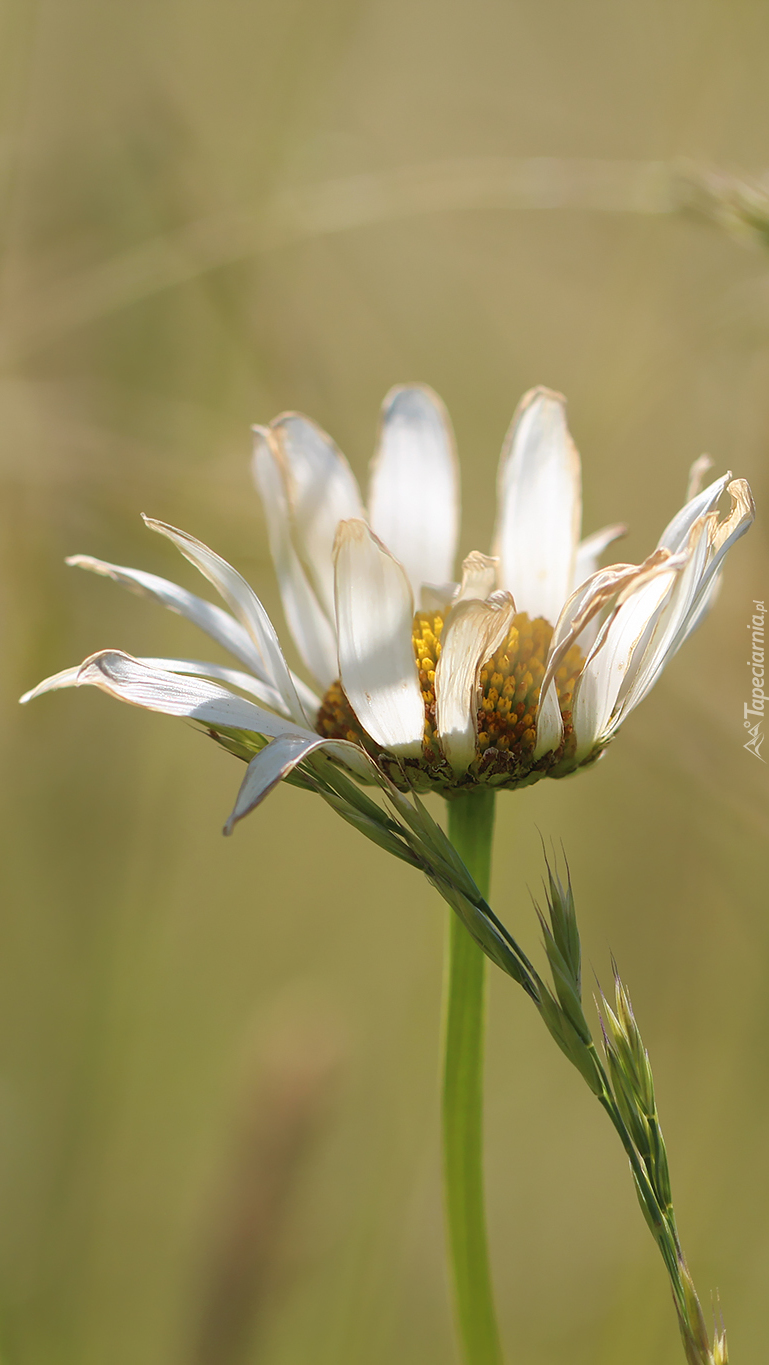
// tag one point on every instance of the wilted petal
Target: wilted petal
(245, 605)
(133, 681)
(653, 653)
(414, 491)
(473, 632)
(322, 491)
(374, 613)
(66, 678)
(212, 619)
(738, 520)
(479, 577)
(539, 506)
(578, 621)
(195, 667)
(676, 533)
(611, 661)
(311, 628)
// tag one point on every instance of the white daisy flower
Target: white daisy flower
(523, 668)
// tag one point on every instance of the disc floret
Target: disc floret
(508, 699)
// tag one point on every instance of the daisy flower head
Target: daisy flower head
(520, 666)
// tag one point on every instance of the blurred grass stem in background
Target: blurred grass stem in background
(471, 829)
(298, 213)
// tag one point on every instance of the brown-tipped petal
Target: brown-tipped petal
(479, 577)
(653, 652)
(578, 618)
(695, 592)
(586, 603)
(613, 656)
(676, 533)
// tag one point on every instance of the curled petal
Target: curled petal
(539, 506)
(479, 577)
(574, 623)
(414, 491)
(616, 654)
(135, 681)
(709, 541)
(676, 533)
(374, 614)
(473, 632)
(195, 667)
(212, 619)
(245, 605)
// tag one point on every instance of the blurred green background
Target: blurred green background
(218, 1094)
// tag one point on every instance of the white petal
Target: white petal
(267, 769)
(322, 491)
(676, 533)
(245, 605)
(655, 651)
(473, 632)
(549, 722)
(195, 667)
(611, 660)
(590, 549)
(203, 668)
(437, 597)
(312, 629)
(479, 577)
(539, 506)
(282, 755)
(374, 612)
(132, 681)
(66, 678)
(577, 622)
(414, 489)
(212, 619)
(725, 534)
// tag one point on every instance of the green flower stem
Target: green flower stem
(471, 825)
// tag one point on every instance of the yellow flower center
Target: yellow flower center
(509, 688)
